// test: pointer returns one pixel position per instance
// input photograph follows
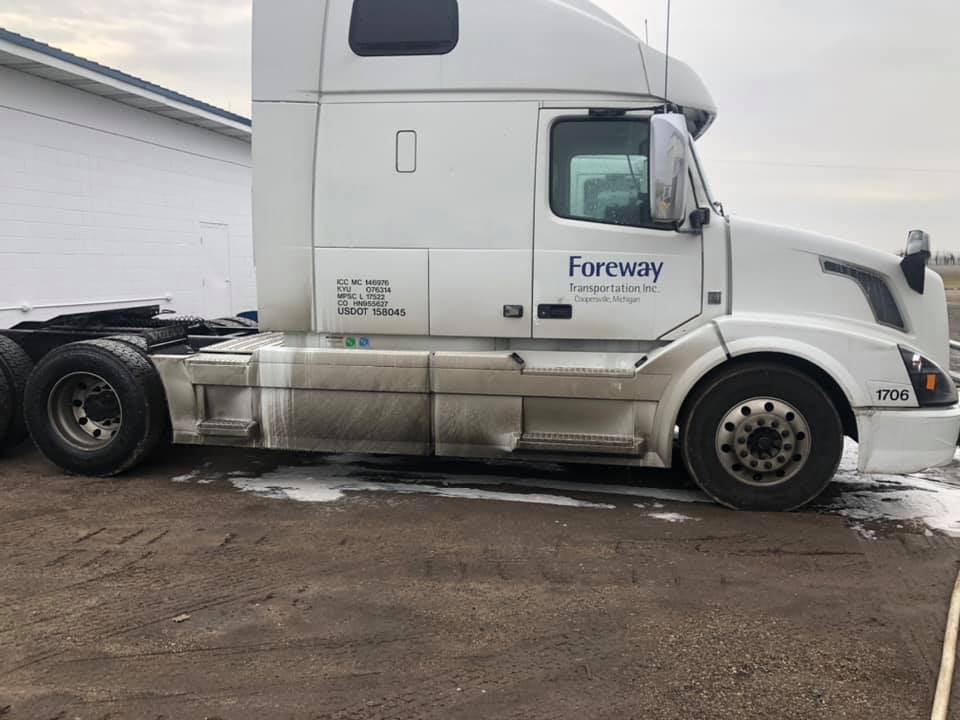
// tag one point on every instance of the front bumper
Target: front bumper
(905, 441)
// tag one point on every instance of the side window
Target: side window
(410, 27)
(600, 171)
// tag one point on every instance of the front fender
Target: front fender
(857, 361)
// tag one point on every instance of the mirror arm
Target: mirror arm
(698, 218)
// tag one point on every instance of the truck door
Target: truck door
(601, 268)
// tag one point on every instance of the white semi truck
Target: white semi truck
(483, 230)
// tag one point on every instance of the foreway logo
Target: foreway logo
(615, 268)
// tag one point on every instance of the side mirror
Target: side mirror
(914, 263)
(669, 160)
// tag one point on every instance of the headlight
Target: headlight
(930, 383)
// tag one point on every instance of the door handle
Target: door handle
(555, 312)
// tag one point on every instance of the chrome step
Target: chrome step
(219, 427)
(582, 371)
(581, 442)
(246, 345)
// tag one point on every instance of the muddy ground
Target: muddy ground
(228, 584)
(148, 598)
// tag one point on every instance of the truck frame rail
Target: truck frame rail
(173, 334)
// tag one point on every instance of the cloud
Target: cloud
(838, 84)
(820, 82)
(201, 49)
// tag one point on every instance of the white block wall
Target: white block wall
(101, 205)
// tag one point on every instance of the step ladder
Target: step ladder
(581, 443)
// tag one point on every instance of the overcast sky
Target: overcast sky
(835, 115)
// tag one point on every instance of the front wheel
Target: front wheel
(761, 436)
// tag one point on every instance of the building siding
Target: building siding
(103, 205)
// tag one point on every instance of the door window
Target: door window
(600, 171)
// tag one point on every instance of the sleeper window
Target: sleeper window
(411, 27)
(600, 172)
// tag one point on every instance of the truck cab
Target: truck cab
(482, 229)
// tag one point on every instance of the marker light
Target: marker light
(931, 384)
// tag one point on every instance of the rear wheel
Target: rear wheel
(762, 437)
(96, 407)
(6, 405)
(15, 369)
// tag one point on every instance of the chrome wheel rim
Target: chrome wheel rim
(85, 411)
(763, 442)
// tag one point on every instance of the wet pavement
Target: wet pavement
(929, 501)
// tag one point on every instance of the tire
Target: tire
(15, 366)
(234, 323)
(761, 436)
(96, 407)
(140, 345)
(6, 405)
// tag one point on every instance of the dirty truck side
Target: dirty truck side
(467, 248)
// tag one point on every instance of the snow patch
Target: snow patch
(294, 484)
(864, 532)
(329, 477)
(670, 517)
(931, 497)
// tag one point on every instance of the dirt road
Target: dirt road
(483, 592)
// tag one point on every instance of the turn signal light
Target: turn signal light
(931, 384)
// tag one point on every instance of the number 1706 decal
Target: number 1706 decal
(893, 395)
